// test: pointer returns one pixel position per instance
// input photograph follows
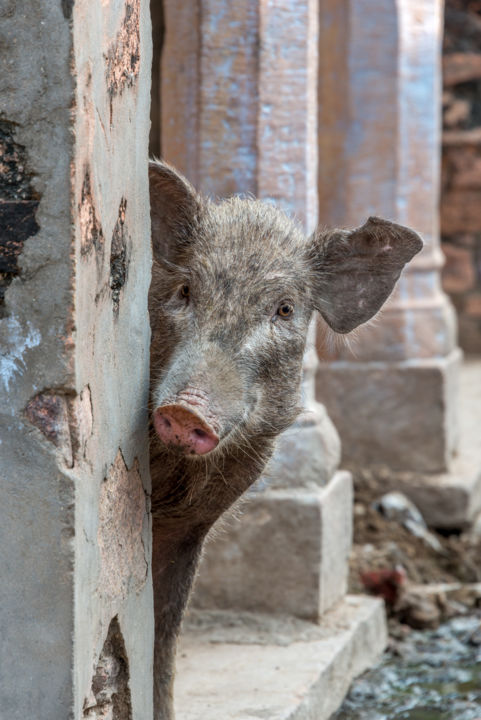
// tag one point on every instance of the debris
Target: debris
(385, 583)
(396, 506)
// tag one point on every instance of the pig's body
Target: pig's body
(233, 290)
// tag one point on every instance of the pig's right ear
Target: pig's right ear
(355, 270)
(174, 205)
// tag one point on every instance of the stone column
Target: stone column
(391, 390)
(76, 617)
(239, 97)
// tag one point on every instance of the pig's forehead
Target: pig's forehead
(252, 234)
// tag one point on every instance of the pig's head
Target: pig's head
(234, 288)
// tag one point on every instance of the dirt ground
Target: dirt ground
(384, 545)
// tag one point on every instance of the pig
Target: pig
(234, 286)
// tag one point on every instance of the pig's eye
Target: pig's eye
(185, 292)
(285, 310)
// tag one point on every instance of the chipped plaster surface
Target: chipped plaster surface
(112, 259)
(122, 512)
(74, 373)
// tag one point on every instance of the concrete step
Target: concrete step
(246, 666)
(453, 499)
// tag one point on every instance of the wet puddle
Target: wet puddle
(434, 675)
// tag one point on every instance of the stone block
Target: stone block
(403, 415)
(238, 666)
(450, 500)
(307, 454)
(287, 552)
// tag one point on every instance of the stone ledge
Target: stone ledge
(286, 553)
(398, 414)
(245, 666)
(448, 500)
(452, 499)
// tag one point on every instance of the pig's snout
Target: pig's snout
(177, 426)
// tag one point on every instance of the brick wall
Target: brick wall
(461, 166)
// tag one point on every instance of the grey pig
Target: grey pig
(234, 286)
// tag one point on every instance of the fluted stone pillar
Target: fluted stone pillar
(239, 98)
(392, 389)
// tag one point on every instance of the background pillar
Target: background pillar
(239, 97)
(392, 389)
(76, 617)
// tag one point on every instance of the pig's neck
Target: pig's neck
(189, 494)
(187, 498)
(173, 570)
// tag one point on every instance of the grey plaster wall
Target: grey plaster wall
(75, 598)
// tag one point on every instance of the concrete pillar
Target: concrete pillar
(76, 617)
(239, 97)
(391, 390)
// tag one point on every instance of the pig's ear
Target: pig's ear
(174, 205)
(355, 270)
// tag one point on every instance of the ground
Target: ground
(389, 560)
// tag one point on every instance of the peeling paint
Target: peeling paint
(109, 697)
(49, 413)
(123, 56)
(91, 234)
(122, 509)
(64, 419)
(118, 256)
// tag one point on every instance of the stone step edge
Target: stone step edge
(298, 680)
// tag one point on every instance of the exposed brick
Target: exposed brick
(458, 273)
(461, 211)
(462, 168)
(49, 413)
(456, 112)
(462, 137)
(473, 305)
(461, 67)
(123, 56)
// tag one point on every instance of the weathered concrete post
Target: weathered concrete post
(392, 391)
(76, 617)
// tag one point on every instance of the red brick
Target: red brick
(472, 305)
(461, 67)
(461, 211)
(458, 273)
(462, 168)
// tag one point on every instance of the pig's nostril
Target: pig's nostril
(177, 425)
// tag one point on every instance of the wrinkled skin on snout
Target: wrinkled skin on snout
(234, 287)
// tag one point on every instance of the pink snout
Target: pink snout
(176, 425)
